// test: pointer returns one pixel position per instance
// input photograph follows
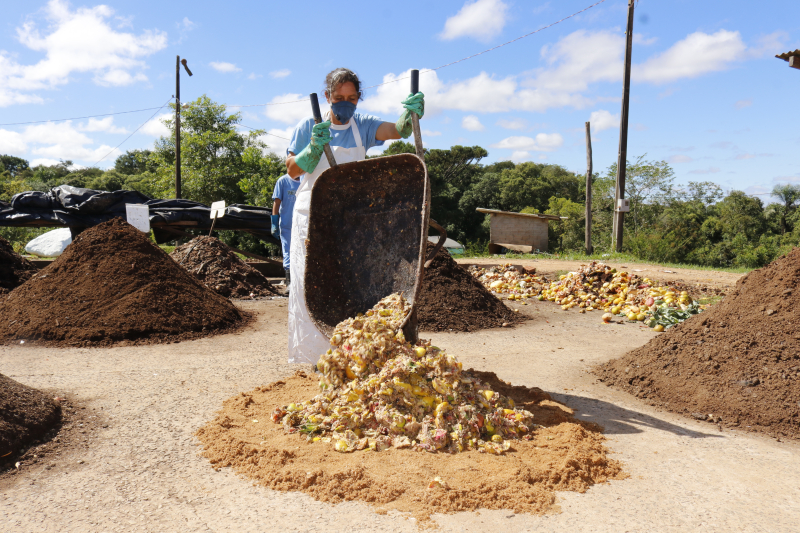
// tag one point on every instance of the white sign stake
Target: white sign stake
(138, 216)
(217, 211)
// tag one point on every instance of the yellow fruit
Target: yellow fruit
(640, 317)
(488, 394)
(420, 351)
(659, 328)
(607, 317)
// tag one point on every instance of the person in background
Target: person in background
(282, 207)
(349, 135)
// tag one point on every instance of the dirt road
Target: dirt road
(139, 469)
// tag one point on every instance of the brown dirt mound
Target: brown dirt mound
(566, 454)
(737, 364)
(219, 268)
(113, 284)
(26, 414)
(14, 269)
(451, 299)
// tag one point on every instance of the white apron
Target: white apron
(306, 342)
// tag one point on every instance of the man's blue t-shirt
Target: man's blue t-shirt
(367, 127)
(285, 190)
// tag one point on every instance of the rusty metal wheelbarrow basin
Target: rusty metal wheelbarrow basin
(367, 236)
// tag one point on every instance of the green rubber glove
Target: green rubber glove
(309, 157)
(415, 103)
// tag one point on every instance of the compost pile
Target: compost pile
(451, 299)
(397, 408)
(506, 281)
(220, 269)
(113, 284)
(14, 269)
(26, 415)
(380, 391)
(737, 364)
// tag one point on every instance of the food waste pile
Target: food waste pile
(112, 284)
(737, 364)
(218, 267)
(597, 287)
(404, 427)
(14, 269)
(451, 299)
(380, 391)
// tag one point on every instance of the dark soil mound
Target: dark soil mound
(25, 415)
(452, 299)
(219, 268)
(14, 269)
(113, 284)
(737, 364)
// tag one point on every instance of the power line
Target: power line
(265, 133)
(306, 99)
(134, 131)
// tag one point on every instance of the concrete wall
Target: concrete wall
(519, 233)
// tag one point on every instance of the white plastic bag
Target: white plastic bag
(50, 244)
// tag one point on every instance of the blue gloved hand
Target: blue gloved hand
(415, 103)
(275, 230)
(309, 157)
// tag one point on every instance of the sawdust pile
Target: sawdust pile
(112, 284)
(565, 454)
(14, 269)
(451, 299)
(737, 364)
(26, 414)
(219, 268)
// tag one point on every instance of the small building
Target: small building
(521, 232)
(792, 57)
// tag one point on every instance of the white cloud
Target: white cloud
(75, 42)
(603, 120)
(54, 141)
(699, 53)
(222, 66)
(482, 20)
(471, 123)
(254, 76)
(543, 142)
(430, 133)
(741, 104)
(282, 73)
(46, 162)
(680, 158)
(294, 112)
(278, 140)
(156, 127)
(520, 156)
(104, 124)
(515, 124)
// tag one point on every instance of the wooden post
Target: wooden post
(178, 127)
(622, 159)
(589, 247)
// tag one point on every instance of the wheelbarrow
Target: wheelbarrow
(368, 234)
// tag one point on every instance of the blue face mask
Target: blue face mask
(343, 110)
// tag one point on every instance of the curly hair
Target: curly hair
(338, 76)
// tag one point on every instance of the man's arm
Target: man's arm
(291, 167)
(276, 206)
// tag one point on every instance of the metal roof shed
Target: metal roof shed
(792, 57)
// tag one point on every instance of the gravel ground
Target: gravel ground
(139, 470)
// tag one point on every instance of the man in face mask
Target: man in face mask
(350, 135)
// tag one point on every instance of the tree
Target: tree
(135, 162)
(789, 195)
(13, 165)
(215, 158)
(648, 186)
(533, 184)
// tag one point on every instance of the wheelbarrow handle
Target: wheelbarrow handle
(317, 119)
(442, 237)
(415, 117)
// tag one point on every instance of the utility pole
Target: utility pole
(178, 104)
(622, 159)
(589, 247)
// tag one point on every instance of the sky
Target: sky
(707, 94)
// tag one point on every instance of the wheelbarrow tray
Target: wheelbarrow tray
(367, 236)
